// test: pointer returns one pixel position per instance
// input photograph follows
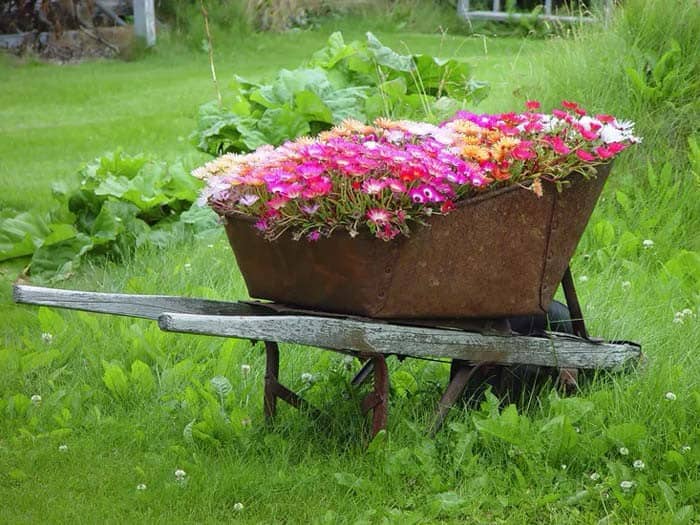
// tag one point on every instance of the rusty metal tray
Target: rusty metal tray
(497, 255)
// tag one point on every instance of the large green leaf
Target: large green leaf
(385, 56)
(59, 261)
(282, 124)
(21, 234)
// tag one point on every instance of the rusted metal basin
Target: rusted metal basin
(497, 255)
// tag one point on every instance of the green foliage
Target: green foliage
(121, 202)
(359, 80)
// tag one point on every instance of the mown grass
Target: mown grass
(536, 466)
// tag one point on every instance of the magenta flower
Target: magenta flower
(426, 168)
(584, 155)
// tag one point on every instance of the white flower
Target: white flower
(685, 449)
(245, 370)
(595, 476)
(678, 318)
(47, 337)
(238, 507)
(62, 448)
(141, 486)
(210, 245)
(624, 451)
(246, 422)
(180, 474)
(36, 400)
(187, 266)
(670, 396)
(638, 464)
(348, 361)
(626, 284)
(626, 485)
(307, 378)
(563, 467)
(583, 278)
(687, 312)
(647, 243)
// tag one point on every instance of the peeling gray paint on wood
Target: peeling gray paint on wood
(344, 334)
(246, 321)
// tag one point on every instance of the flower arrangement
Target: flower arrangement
(390, 174)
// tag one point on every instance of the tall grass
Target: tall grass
(645, 66)
(80, 454)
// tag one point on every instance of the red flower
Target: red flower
(605, 119)
(532, 105)
(569, 104)
(447, 206)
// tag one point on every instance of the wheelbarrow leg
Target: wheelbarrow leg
(460, 375)
(274, 389)
(568, 377)
(378, 399)
(272, 369)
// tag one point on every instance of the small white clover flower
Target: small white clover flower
(624, 451)
(626, 285)
(595, 476)
(583, 278)
(238, 507)
(687, 312)
(670, 396)
(563, 466)
(47, 337)
(245, 370)
(308, 378)
(141, 486)
(36, 400)
(210, 245)
(648, 243)
(180, 474)
(187, 266)
(246, 422)
(626, 485)
(348, 361)
(678, 318)
(638, 464)
(685, 449)
(63, 448)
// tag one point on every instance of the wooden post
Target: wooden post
(145, 21)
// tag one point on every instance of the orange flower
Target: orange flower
(475, 152)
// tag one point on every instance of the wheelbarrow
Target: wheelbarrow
(468, 345)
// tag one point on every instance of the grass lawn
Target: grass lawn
(106, 424)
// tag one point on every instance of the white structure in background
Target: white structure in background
(464, 12)
(145, 21)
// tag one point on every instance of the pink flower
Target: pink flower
(277, 202)
(558, 145)
(416, 196)
(395, 185)
(523, 151)
(313, 236)
(261, 225)
(378, 216)
(430, 194)
(604, 152)
(584, 155)
(309, 209)
(373, 186)
(532, 105)
(248, 199)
